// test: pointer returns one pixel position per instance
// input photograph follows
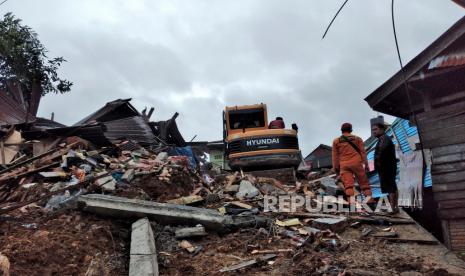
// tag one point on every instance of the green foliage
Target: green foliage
(23, 57)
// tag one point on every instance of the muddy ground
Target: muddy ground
(63, 243)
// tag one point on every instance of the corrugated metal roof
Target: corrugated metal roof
(11, 111)
(114, 110)
(132, 128)
(447, 61)
(394, 87)
(403, 131)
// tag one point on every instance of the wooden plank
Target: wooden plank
(419, 241)
(446, 187)
(442, 124)
(456, 157)
(2, 152)
(446, 233)
(448, 177)
(458, 231)
(17, 176)
(448, 167)
(443, 112)
(455, 118)
(448, 131)
(447, 150)
(443, 141)
(427, 106)
(458, 247)
(455, 223)
(458, 213)
(452, 204)
(449, 196)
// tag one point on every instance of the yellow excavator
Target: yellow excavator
(252, 145)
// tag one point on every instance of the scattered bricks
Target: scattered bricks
(143, 254)
(333, 224)
(197, 231)
(247, 190)
(128, 176)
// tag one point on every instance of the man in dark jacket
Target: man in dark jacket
(386, 164)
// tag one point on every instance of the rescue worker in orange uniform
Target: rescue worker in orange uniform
(350, 161)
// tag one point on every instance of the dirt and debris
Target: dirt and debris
(63, 243)
(45, 231)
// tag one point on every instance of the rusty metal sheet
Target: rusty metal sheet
(12, 112)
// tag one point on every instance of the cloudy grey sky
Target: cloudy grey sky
(196, 56)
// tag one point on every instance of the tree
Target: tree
(24, 59)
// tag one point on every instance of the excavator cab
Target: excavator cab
(251, 145)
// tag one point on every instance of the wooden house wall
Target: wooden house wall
(443, 131)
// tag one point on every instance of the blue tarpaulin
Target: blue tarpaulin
(186, 151)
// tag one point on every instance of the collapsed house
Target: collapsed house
(116, 121)
(430, 92)
(117, 194)
(320, 158)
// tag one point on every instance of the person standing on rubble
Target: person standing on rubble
(277, 123)
(386, 164)
(350, 162)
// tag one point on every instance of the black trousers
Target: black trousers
(388, 182)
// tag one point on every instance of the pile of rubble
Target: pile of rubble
(78, 206)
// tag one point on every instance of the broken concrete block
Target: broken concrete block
(161, 212)
(162, 157)
(103, 180)
(143, 254)
(247, 190)
(109, 186)
(197, 231)
(165, 213)
(128, 175)
(107, 183)
(232, 189)
(330, 185)
(333, 224)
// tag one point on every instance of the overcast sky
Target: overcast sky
(195, 57)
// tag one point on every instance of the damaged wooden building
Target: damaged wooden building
(430, 92)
